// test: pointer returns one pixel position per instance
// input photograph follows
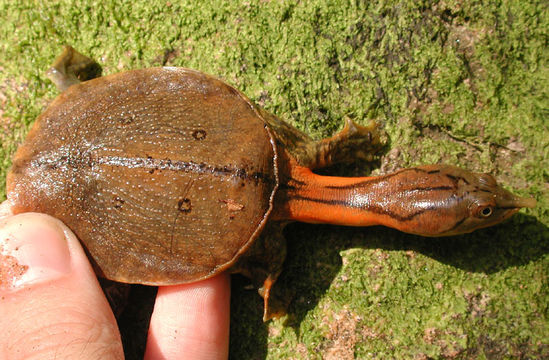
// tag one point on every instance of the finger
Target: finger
(5, 209)
(191, 321)
(51, 305)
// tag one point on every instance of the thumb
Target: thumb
(51, 305)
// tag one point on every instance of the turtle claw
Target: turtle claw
(71, 67)
(354, 142)
(273, 306)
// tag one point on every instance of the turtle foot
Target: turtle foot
(354, 142)
(71, 67)
(274, 306)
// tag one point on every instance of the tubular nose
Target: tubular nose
(523, 202)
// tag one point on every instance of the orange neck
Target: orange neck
(417, 200)
(312, 198)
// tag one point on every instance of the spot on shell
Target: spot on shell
(118, 202)
(199, 134)
(184, 205)
(232, 205)
(126, 120)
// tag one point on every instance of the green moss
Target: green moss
(463, 83)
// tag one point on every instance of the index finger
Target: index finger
(191, 321)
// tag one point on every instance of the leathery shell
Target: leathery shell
(166, 175)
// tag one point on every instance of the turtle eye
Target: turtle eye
(485, 211)
(482, 210)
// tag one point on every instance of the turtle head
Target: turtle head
(442, 200)
(484, 201)
(462, 201)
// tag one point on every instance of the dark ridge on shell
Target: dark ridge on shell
(155, 164)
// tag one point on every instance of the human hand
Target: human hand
(51, 305)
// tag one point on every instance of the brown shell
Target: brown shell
(167, 175)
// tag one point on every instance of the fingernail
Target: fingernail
(33, 249)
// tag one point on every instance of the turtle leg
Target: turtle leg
(71, 67)
(354, 142)
(262, 263)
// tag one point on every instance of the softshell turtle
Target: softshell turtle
(168, 176)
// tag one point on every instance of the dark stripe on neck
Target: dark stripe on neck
(376, 209)
(375, 180)
(458, 223)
